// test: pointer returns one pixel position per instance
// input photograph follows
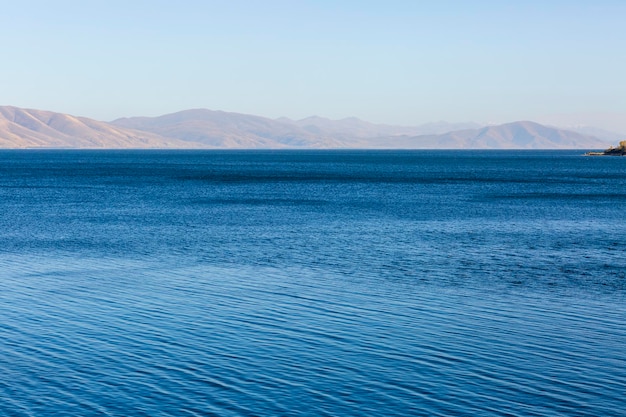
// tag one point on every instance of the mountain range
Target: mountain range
(21, 128)
(208, 129)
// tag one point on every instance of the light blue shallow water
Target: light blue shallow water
(312, 283)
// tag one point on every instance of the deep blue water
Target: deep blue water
(234, 283)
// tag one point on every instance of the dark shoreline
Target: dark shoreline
(618, 151)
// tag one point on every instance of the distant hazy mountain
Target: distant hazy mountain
(230, 130)
(351, 127)
(22, 128)
(516, 135)
(602, 134)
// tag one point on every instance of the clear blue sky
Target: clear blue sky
(402, 62)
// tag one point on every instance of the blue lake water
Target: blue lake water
(317, 283)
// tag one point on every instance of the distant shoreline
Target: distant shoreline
(618, 151)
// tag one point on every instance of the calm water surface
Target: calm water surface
(312, 283)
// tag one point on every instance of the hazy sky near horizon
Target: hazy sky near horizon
(400, 62)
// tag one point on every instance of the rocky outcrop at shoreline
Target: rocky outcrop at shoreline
(618, 151)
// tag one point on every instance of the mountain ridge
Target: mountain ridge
(29, 128)
(227, 129)
(214, 129)
(514, 135)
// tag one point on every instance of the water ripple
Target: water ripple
(322, 284)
